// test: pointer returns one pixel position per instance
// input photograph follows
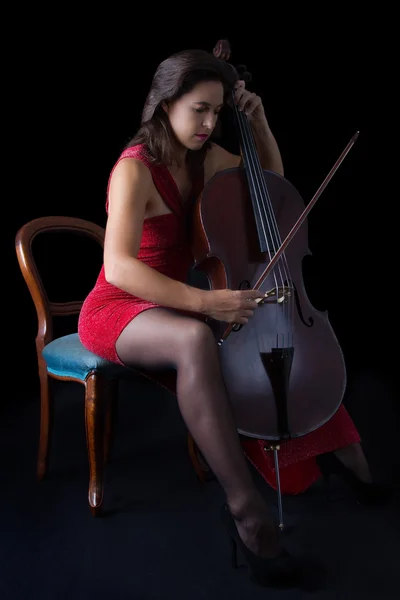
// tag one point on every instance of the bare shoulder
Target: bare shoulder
(131, 170)
(218, 159)
(131, 179)
(129, 195)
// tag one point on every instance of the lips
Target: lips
(202, 136)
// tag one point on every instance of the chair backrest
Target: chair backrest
(45, 309)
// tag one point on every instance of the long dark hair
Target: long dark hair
(174, 77)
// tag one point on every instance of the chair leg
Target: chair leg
(94, 419)
(46, 417)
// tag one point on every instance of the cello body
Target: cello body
(284, 370)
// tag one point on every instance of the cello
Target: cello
(284, 370)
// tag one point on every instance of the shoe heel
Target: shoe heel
(280, 571)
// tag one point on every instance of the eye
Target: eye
(202, 110)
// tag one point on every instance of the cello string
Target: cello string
(266, 218)
(289, 305)
(250, 161)
(247, 150)
(251, 175)
(263, 193)
(268, 210)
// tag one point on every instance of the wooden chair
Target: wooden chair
(64, 358)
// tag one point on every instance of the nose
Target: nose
(209, 120)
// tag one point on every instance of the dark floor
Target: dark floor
(160, 537)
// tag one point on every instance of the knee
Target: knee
(198, 339)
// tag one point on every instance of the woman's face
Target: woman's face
(194, 115)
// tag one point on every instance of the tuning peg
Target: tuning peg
(243, 73)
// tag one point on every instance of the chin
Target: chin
(194, 145)
(197, 142)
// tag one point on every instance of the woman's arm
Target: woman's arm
(130, 192)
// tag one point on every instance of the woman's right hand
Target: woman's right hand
(232, 306)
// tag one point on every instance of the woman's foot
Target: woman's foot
(270, 565)
(256, 528)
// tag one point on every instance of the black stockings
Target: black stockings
(161, 338)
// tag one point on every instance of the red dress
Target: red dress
(165, 247)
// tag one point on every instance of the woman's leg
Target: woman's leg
(353, 458)
(160, 338)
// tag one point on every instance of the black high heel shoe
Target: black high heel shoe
(367, 494)
(281, 571)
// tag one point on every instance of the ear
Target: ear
(164, 106)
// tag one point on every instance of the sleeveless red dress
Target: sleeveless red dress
(165, 247)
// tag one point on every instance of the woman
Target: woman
(143, 314)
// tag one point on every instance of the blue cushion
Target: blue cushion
(67, 357)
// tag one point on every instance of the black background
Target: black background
(79, 89)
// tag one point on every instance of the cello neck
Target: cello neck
(267, 230)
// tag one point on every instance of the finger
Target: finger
(251, 104)
(242, 97)
(239, 97)
(249, 298)
(249, 304)
(239, 90)
(253, 294)
(241, 320)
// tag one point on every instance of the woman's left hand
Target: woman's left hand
(248, 102)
